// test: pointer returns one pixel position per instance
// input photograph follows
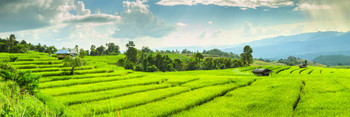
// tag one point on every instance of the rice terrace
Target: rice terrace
(145, 58)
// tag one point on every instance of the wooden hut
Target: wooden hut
(262, 72)
(61, 54)
(303, 65)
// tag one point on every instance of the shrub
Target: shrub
(7, 75)
(152, 68)
(28, 81)
(13, 58)
(138, 68)
(120, 62)
(129, 65)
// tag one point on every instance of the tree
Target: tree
(100, 50)
(131, 53)
(76, 48)
(112, 49)
(199, 56)
(146, 50)
(93, 50)
(208, 64)
(178, 64)
(130, 44)
(73, 62)
(82, 53)
(11, 41)
(246, 56)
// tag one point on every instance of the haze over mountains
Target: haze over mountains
(306, 45)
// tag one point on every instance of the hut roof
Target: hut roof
(257, 70)
(67, 51)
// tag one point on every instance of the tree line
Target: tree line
(11, 45)
(148, 61)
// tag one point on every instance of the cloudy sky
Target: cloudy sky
(167, 23)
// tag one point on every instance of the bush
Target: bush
(152, 68)
(28, 81)
(138, 68)
(120, 62)
(7, 75)
(170, 67)
(129, 65)
(13, 58)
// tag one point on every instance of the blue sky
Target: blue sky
(167, 23)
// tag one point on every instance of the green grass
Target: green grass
(172, 105)
(100, 86)
(71, 82)
(324, 97)
(102, 95)
(265, 97)
(128, 101)
(104, 89)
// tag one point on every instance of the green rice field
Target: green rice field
(103, 89)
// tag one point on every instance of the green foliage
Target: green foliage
(129, 65)
(82, 53)
(146, 50)
(333, 60)
(291, 61)
(152, 68)
(246, 56)
(138, 68)
(13, 58)
(7, 75)
(217, 52)
(25, 79)
(28, 81)
(131, 54)
(7, 110)
(73, 62)
(13, 46)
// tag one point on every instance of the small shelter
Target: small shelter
(303, 65)
(262, 72)
(61, 54)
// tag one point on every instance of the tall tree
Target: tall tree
(76, 48)
(199, 57)
(92, 50)
(131, 53)
(82, 53)
(11, 41)
(246, 56)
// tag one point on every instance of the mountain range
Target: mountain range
(305, 46)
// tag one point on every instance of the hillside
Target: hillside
(305, 46)
(333, 60)
(103, 89)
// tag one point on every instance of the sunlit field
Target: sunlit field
(104, 89)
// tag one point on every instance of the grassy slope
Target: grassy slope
(113, 91)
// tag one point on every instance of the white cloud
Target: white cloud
(210, 22)
(137, 21)
(32, 14)
(179, 24)
(230, 3)
(329, 11)
(80, 8)
(307, 6)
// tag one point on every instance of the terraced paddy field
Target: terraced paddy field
(104, 89)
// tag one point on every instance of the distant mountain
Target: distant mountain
(333, 59)
(306, 45)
